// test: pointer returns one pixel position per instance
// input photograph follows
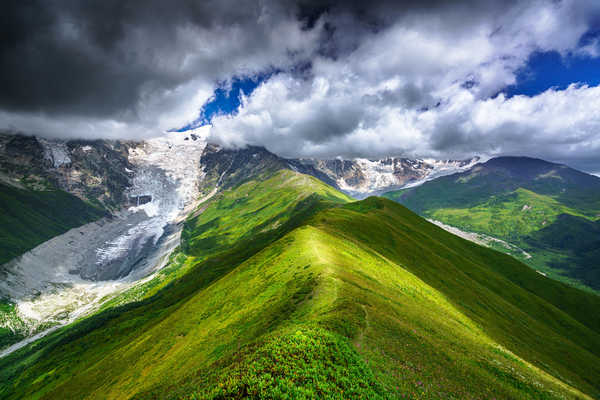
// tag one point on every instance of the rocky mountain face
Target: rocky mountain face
(148, 188)
(97, 171)
(361, 177)
(225, 168)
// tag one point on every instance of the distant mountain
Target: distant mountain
(549, 210)
(95, 171)
(283, 286)
(359, 178)
(362, 177)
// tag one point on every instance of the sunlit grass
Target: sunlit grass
(308, 295)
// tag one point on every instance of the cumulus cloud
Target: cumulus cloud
(426, 84)
(134, 68)
(352, 78)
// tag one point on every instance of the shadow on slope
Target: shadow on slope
(305, 294)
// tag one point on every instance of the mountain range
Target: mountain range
(205, 272)
(550, 211)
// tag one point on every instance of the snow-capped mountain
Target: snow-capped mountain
(359, 177)
(73, 273)
(148, 188)
(362, 177)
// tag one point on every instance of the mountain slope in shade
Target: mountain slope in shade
(549, 210)
(28, 218)
(284, 287)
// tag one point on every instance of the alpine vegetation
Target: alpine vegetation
(300, 200)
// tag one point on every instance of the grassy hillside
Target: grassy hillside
(284, 288)
(526, 202)
(28, 218)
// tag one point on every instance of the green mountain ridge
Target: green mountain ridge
(549, 210)
(285, 288)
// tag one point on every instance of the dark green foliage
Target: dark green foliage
(306, 363)
(7, 336)
(550, 210)
(28, 218)
(578, 239)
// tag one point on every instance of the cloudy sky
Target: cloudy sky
(312, 78)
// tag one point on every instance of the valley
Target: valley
(247, 275)
(549, 210)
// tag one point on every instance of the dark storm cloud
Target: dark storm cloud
(134, 68)
(95, 57)
(98, 57)
(353, 77)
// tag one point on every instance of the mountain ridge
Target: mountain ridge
(517, 199)
(281, 275)
(281, 283)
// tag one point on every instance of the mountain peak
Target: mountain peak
(519, 161)
(535, 169)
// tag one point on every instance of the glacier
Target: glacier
(72, 274)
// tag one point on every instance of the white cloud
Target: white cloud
(417, 79)
(401, 91)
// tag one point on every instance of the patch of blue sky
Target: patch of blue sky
(545, 70)
(226, 99)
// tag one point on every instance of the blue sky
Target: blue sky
(545, 70)
(226, 99)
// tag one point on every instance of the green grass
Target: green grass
(510, 216)
(302, 363)
(29, 218)
(11, 326)
(306, 294)
(534, 214)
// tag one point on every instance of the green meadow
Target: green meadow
(30, 217)
(284, 287)
(554, 216)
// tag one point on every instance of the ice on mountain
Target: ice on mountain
(75, 271)
(56, 152)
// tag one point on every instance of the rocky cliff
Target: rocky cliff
(96, 171)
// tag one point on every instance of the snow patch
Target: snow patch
(399, 173)
(72, 274)
(55, 151)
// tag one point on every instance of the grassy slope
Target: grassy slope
(494, 204)
(307, 295)
(28, 218)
